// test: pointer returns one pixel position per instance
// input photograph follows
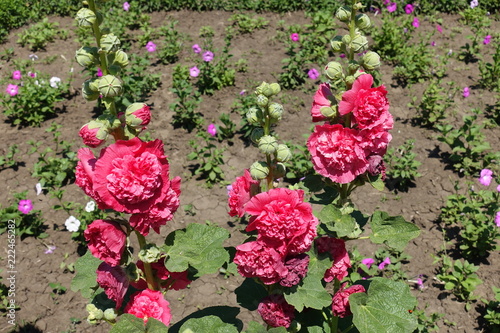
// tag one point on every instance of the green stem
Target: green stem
(335, 320)
(97, 36)
(150, 278)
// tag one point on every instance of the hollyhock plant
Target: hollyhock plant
(337, 153)
(25, 206)
(147, 304)
(106, 241)
(114, 281)
(485, 177)
(276, 312)
(93, 134)
(12, 89)
(169, 280)
(16, 75)
(283, 220)
(240, 192)
(138, 115)
(322, 98)
(340, 302)
(368, 105)
(297, 269)
(208, 56)
(294, 37)
(341, 262)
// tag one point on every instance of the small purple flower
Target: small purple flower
(409, 8)
(212, 130)
(194, 71)
(126, 6)
(242, 92)
(497, 219)
(487, 40)
(387, 261)
(208, 56)
(229, 188)
(474, 4)
(16, 75)
(342, 55)
(295, 37)
(485, 177)
(196, 48)
(420, 283)
(450, 52)
(25, 206)
(12, 89)
(99, 72)
(313, 73)
(466, 92)
(433, 43)
(416, 22)
(50, 249)
(33, 75)
(150, 46)
(368, 262)
(392, 7)
(498, 188)
(405, 30)
(439, 28)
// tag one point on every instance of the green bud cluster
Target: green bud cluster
(149, 253)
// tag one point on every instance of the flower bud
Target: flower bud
(334, 70)
(110, 86)
(328, 112)
(259, 170)
(279, 170)
(346, 39)
(363, 21)
(359, 43)
(94, 313)
(268, 144)
(86, 56)
(275, 111)
(343, 14)
(371, 61)
(110, 43)
(283, 153)
(94, 133)
(350, 80)
(256, 134)
(353, 66)
(254, 116)
(264, 89)
(337, 44)
(121, 59)
(85, 18)
(150, 253)
(110, 314)
(275, 87)
(88, 90)
(137, 115)
(262, 100)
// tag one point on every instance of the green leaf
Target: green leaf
(376, 182)
(311, 293)
(255, 327)
(249, 294)
(342, 224)
(384, 308)
(156, 326)
(129, 324)
(198, 246)
(207, 324)
(393, 231)
(85, 278)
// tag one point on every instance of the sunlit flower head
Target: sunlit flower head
(208, 56)
(150, 46)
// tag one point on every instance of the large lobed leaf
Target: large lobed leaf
(85, 278)
(393, 231)
(207, 324)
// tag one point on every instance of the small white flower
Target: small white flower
(90, 207)
(33, 57)
(72, 224)
(55, 81)
(38, 188)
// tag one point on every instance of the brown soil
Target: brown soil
(39, 312)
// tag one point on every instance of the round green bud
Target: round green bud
(363, 21)
(149, 253)
(350, 79)
(279, 170)
(343, 13)
(86, 56)
(256, 134)
(328, 111)
(102, 126)
(264, 89)
(132, 272)
(259, 170)
(110, 86)
(283, 153)
(138, 115)
(262, 100)
(88, 92)
(346, 39)
(334, 70)
(275, 111)
(275, 87)
(371, 61)
(254, 116)
(121, 59)
(85, 18)
(110, 314)
(358, 6)
(110, 43)
(268, 144)
(359, 43)
(337, 44)
(353, 66)
(94, 312)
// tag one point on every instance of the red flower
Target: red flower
(322, 98)
(129, 176)
(169, 280)
(89, 136)
(340, 301)
(240, 192)
(297, 269)
(337, 153)
(283, 220)
(368, 105)
(106, 241)
(85, 172)
(338, 252)
(255, 259)
(375, 141)
(275, 311)
(114, 282)
(147, 304)
(160, 213)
